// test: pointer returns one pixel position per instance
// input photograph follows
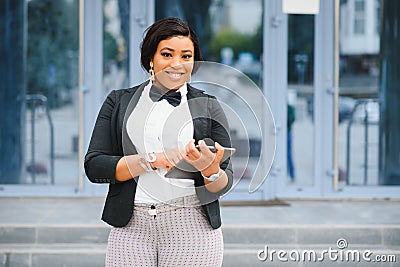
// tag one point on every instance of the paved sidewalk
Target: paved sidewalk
(68, 232)
(48, 211)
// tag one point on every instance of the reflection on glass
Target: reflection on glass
(115, 45)
(358, 108)
(244, 107)
(300, 101)
(52, 99)
(223, 38)
(237, 43)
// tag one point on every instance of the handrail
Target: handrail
(366, 123)
(36, 100)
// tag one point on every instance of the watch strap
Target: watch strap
(145, 164)
(151, 157)
(214, 176)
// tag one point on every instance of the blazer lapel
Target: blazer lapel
(198, 106)
(128, 103)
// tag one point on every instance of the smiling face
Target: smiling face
(173, 62)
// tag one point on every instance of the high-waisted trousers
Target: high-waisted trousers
(167, 235)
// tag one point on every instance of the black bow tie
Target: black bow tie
(173, 98)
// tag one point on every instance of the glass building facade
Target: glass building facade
(61, 58)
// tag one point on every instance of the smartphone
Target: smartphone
(228, 151)
(181, 169)
(213, 149)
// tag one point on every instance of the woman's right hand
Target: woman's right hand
(167, 159)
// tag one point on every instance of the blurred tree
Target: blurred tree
(124, 14)
(116, 20)
(53, 32)
(256, 42)
(196, 13)
(228, 38)
(239, 42)
(110, 49)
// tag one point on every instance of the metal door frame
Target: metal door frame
(325, 180)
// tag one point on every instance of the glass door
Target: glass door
(300, 126)
(358, 100)
(232, 49)
(306, 102)
(312, 141)
(48, 105)
(361, 125)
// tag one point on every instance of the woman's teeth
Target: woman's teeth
(174, 75)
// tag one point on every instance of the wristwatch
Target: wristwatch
(213, 177)
(151, 157)
(145, 162)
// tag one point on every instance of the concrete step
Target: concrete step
(93, 255)
(85, 245)
(50, 234)
(375, 235)
(309, 256)
(52, 255)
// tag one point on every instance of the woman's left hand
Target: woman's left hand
(203, 159)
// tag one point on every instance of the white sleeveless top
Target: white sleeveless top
(156, 127)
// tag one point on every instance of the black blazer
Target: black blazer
(106, 149)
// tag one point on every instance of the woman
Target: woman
(143, 132)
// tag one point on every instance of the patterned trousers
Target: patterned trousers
(168, 235)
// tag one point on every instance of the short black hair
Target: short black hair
(164, 29)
